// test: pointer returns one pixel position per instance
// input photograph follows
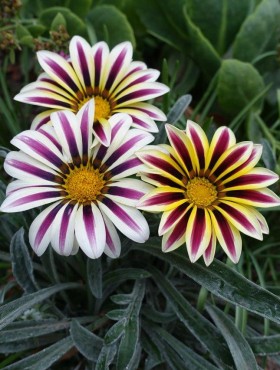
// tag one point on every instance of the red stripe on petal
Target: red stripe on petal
(220, 147)
(227, 234)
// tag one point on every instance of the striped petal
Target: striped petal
(62, 233)
(120, 124)
(170, 218)
(82, 61)
(240, 217)
(176, 236)
(102, 130)
(149, 109)
(90, 230)
(60, 70)
(256, 198)
(85, 117)
(156, 178)
(127, 219)
(69, 133)
(223, 139)
(198, 233)
(49, 132)
(30, 197)
(127, 191)
(140, 92)
(227, 235)
(44, 98)
(134, 140)
(230, 160)
(254, 179)
(140, 120)
(183, 148)
(116, 65)
(128, 168)
(38, 146)
(261, 220)
(163, 163)
(23, 167)
(113, 243)
(41, 119)
(100, 52)
(40, 229)
(200, 144)
(209, 253)
(162, 199)
(147, 75)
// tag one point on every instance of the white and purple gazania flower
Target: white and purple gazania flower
(88, 187)
(118, 85)
(207, 192)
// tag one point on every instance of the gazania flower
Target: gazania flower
(207, 192)
(117, 84)
(88, 189)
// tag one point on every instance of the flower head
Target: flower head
(117, 84)
(88, 187)
(207, 191)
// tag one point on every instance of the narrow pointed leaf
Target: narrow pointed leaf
(241, 351)
(265, 346)
(106, 357)
(94, 277)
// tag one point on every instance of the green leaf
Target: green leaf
(44, 359)
(81, 7)
(58, 21)
(262, 25)
(238, 84)
(22, 263)
(14, 309)
(88, 344)
(268, 155)
(241, 351)
(106, 357)
(94, 277)
(117, 314)
(218, 20)
(220, 280)
(197, 324)
(21, 32)
(30, 343)
(194, 361)
(115, 332)
(113, 19)
(36, 29)
(75, 26)
(265, 346)
(128, 348)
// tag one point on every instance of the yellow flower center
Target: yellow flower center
(102, 108)
(201, 192)
(84, 184)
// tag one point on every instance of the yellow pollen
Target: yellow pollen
(201, 192)
(84, 184)
(102, 108)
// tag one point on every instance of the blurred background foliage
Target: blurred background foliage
(147, 310)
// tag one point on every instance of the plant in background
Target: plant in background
(117, 84)
(88, 187)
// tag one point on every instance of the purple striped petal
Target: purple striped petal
(170, 218)
(39, 231)
(162, 199)
(90, 230)
(102, 130)
(44, 98)
(257, 198)
(127, 191)
(157, 179)
(85, 118)
(200, 143)
(31, 197)
(149, 109)
(209, 253)
(82, 61)
(198, 233)
(39, 147)
(49, 132)
(100, 54)
(69, 133)
(21, 166)
(113, 243)
(41, 119)
(175, 237)
(62, 239)
(256, 178)
(222, 140)
(127, 219)
(60, 70)
(130, 167)
(227, 235)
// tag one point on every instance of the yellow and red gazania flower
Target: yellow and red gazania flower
(117, 84)
(207, 191)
